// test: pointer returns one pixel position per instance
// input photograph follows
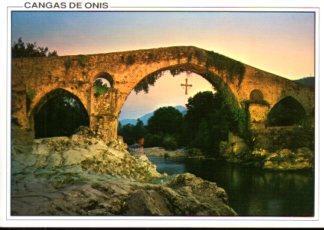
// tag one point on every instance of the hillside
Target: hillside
(307, 81)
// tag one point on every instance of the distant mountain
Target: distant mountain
(181, 109)
(128, 121)
(147, 116)
(307, 81)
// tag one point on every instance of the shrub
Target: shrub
(153, 140)
(31, 94)
(67, 63)
(169, 142)
(144, 84)
(302, 137)
(82, 60)
(223, 63)
(100, 88)
(20, 49)
(130, 60)
(194, 152)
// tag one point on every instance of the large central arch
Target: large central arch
(217, 82)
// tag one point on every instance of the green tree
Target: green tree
(209, 119)
(127, 132)
(169, 142)
(153, 140)
(100, 88)
(199, 108)
(165, 120)
(132, 133)
(20, 49)
(139, 129)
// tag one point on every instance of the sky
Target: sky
(281, 43)
(175, 94)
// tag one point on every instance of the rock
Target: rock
(75, 156)
(118, 144)
(305, 152)
(237, 144)
(235, 149)
(82, 175)
(286, 159)
(147, 203)
(54, 160)
(260, 153)
(161, 152)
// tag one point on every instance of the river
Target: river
(251, 191)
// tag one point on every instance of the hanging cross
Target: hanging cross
(186, 85)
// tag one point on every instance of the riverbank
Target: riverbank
(275, 148)
(82, 175)
(178, 153)
(281, 160)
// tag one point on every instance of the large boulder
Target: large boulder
(147, 203)
(286, 159)
(83, 175)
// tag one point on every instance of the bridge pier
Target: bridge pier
(258, 115)
(105, 126)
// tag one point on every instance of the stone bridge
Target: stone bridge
(35, 79)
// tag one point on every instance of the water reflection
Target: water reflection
(252, 191)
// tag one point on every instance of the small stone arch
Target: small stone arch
(103, 82)
(46, 100)
(287, 112)
(256, 96)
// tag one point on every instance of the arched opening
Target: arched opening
(59, 113)
(201, 122)
(102, 84)
(256, 96)
(286, 112)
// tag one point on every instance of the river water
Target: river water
(251, 191)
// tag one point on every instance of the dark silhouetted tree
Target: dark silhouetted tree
(208, 121)
(132, 133)
(20, 49)
(165, 120)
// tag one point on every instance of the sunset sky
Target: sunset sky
(280, 43)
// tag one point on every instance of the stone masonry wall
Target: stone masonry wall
(33, 78)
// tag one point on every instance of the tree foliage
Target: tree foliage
(132, 133)
(100, 88)
(223, 63)
(145, 83)
(165, 120)
(163, 129)
(20, 49)
(207, 122)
